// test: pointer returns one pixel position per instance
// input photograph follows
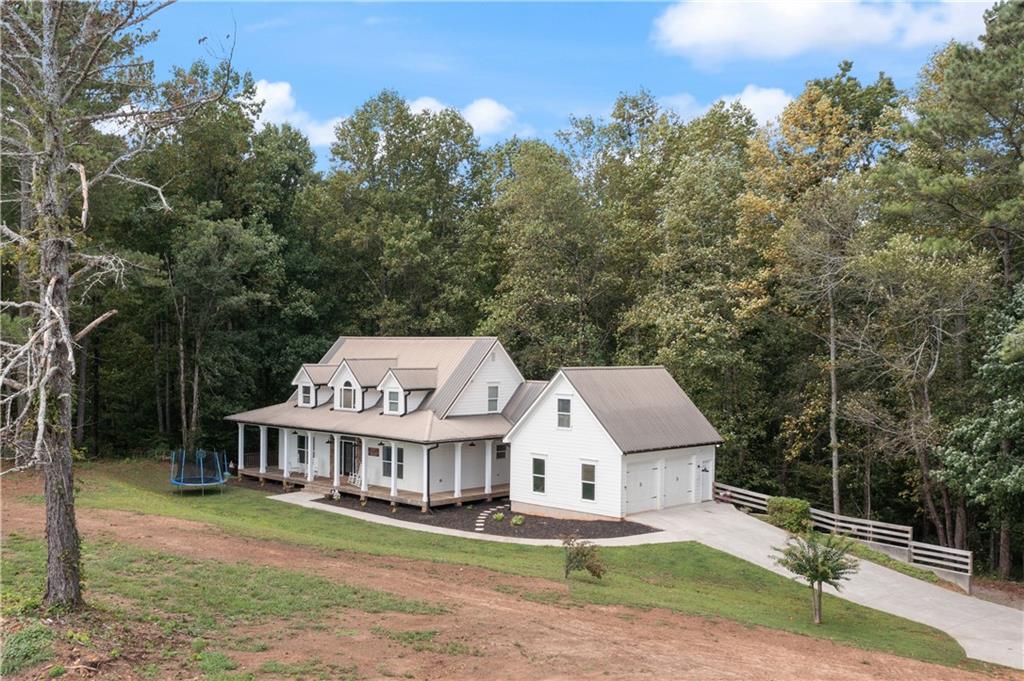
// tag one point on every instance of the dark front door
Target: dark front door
(348, 458)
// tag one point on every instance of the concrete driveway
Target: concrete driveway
(987, 631)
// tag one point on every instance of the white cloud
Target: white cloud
(487, 116)
(764, 102)
(714, 32)
(279, 107)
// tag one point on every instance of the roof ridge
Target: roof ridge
(617, 366)
(424, 337)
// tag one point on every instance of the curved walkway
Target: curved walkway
(987, 631)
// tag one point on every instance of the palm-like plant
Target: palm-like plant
(819, 560)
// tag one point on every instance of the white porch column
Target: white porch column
(310, 449)
(458, 470)
(364, 484)
(283, 452)
(263, 449)
(394, 469)
(487, 466)
(337, 461)
(241, 446)
(426, 477)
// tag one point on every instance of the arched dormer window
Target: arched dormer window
(348, 396)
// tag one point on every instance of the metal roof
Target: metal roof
(415, 379)
(369, 372)
(320, 374)
(522, 398)
(642, 408)
(448, 390)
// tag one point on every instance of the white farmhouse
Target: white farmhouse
(435, 421)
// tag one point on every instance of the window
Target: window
(386, 463)
(538, 475)
(588, 480)
(306, 394)
(501, 451)
(300, 447)
(492, 398)
(348, 396)
(564, 412)
(393, 401)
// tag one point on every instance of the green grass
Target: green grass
(26, 648)
(686, 577)
(424, 640)
(875, 556)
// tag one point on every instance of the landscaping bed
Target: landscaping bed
(466, 517)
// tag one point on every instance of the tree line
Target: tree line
(841, 290)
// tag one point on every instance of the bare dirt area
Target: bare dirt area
(489, 631)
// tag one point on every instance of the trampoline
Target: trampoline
(198, 470)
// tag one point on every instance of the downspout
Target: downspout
(427, 464)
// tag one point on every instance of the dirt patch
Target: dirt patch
(467, 518)
(490, 632)
(1010, 594)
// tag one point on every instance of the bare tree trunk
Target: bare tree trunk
(1005, 559)
(867, 485)
(83, 365)
(160, 426)
(960, 534)
(834, 402)
(97, 409)
(816, 602)
(194, 422)
(182, 378)
(928, 497)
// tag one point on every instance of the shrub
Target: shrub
(518, 520)
(792, 515)
(498, 517)
(581, 554)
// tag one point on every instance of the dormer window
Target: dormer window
(348, 396)
(394, 401)
(306, 395)
(492, 398)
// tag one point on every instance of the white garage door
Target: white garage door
(678, 485)
(642, 487)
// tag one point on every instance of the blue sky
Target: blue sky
(525, 68)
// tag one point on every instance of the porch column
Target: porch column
(426, 477)
(310, 448)
(263, 449)
(364, 485)
(458, 470)
(283, 452)
(241, 446)
(487, 466)
(394, 469)
(337, 461)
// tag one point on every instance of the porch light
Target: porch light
(471, 444)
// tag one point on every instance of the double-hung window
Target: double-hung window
(306, 395)
(396, 462)
(588, 481)
(492, 398)
(394, 400)
(564, 412)
(539, 474)
(348, 396)
(300, 448)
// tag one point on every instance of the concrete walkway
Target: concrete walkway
(987, 631)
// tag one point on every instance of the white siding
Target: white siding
(339, 380)
(566, 449)
(677, 474)
(391, 383)
(412, 474)
(497, 368)
(414, 399)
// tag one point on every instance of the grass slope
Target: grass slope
(686, 577)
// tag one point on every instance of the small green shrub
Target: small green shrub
(517, 520)
(498, 517)
(56, 671)
(213, 662)
(792, 515)
(580, 555)
(26, 648)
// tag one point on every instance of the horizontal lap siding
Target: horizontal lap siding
(565, 450)
(501, 370)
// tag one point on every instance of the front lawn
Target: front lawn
(686, 577)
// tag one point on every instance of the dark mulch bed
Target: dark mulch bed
(465, 517)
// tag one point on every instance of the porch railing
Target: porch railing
(887, 535)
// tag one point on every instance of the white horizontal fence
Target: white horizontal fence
(888, 535)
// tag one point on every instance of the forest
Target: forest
(841, 290)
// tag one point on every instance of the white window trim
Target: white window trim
(341, 392)
(302, 395)
(301, 452)
(398, 401)
(559, 413)
(497, 397)
(544, 458)
(588, 462)
(394, 462)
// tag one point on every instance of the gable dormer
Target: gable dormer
(404, 389)
(311, 381)
(354, 382)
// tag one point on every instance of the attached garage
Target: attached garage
(610, 442)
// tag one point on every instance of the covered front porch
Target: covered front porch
(416, 474)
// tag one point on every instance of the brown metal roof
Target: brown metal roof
(319, 373)
(417, 426)
(369, 372)
(642, 408)
(416, 379)
(448, 391)
(522, 398)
